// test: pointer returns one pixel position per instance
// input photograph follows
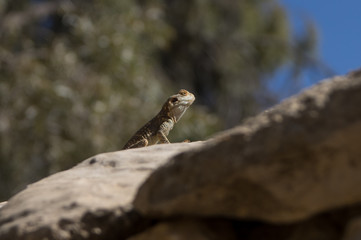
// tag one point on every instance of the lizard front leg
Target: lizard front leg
(162, 138)
(163, 131)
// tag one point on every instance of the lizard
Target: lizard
(157, 129)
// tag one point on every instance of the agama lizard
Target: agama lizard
(157, 129)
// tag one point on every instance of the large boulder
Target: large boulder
(188, 229)
(90, 201)
(292, 172)
(295, 160)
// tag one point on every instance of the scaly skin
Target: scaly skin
(157, 129)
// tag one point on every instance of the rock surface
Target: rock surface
(90, 201)
(286, 164)
(189, 230)
(292, 172)
(2, 204)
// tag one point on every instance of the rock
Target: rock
(2, 204)
(329, 225)
(90, 201)
(353, 230)
(189, 229)
(290, 173)
(325, 226)
(293, 161)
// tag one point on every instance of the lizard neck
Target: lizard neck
(166, 114)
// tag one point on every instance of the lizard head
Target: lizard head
(177, 104)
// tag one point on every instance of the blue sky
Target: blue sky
(339, 31)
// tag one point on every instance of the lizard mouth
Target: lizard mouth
(183, 103)
(187, 100)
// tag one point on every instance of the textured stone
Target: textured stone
(353, 230)
(290, 173)
(186, 229)
(2, 204)
(295, 160)
(89, 201)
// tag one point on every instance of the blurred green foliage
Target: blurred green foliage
(78, 78)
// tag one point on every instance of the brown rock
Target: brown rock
(297, 159)
(292, 172)
(2, 204)
(186, 229)
(353, 230)
(89, 201)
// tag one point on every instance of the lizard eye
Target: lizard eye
(183, 92)
(173, 100)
